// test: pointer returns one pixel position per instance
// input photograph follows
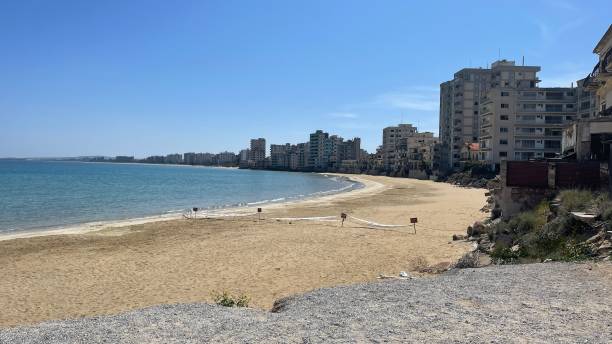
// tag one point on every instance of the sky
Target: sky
(157, 77)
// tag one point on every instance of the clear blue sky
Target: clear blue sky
(156, 77)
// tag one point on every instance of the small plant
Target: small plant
(419, 263)
(504, 256)
(577, 200)
(574, 251)
(469, 260)
(225, 299)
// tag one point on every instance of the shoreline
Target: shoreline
(293, 249)
(239, 210)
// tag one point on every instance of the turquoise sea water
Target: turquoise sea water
(44, 194)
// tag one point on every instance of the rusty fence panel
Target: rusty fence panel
(577, 174)
(527, 173)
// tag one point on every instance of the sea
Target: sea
(38, 194)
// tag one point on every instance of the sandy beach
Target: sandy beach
(125, 266)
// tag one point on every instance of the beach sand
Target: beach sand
(121, 268)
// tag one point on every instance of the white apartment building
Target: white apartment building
(520, 121)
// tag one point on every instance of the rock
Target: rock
(548, 260)
(504, 240)
(404, 274)
(515, 248)
(604, 249)
(459, 237)
(495, 221)
(477, 229)
(595, 238)
(475, 247)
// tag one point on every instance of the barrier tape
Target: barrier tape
(375, 224)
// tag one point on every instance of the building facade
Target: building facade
(460, 113)
(518, 119)
(393, 137)
(257, 158)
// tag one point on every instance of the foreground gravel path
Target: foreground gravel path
(554, 302)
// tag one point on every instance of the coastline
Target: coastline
(118, 269)
(240, 210)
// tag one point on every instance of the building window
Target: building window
(503, 130)
(505, 94)
(569, 106)
(503, 154)
(505, 106)
(503, 142)
(503, 117)
(552, 144)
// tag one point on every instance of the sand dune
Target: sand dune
(183, 261)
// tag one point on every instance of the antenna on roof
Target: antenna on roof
(523, 60)
(499, 53)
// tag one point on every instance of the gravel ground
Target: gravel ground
(554, 302)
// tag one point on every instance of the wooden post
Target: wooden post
(259, 210)
(414, 221)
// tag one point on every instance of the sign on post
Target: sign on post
(259, 210)
(343, 217)
(414, 221)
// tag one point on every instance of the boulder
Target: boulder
(476, 229)
(595, 238)
(459, 237)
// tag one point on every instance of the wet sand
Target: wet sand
(119, 268)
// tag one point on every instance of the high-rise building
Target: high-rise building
(258, 152)
(598, 81)
(189, 158)
(318, 149)
(279, 156)
(392, 138)
(227, 159)
(518, 119)
(174, 159)
(459, 112)
(586, 101)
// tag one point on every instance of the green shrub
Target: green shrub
(523, 222)
(574, 251)
(504, 255)
(551, 241)
(577, 200)
(225, 299)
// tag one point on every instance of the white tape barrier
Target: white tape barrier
(316, 218)
(195, 215)
(375, 224)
